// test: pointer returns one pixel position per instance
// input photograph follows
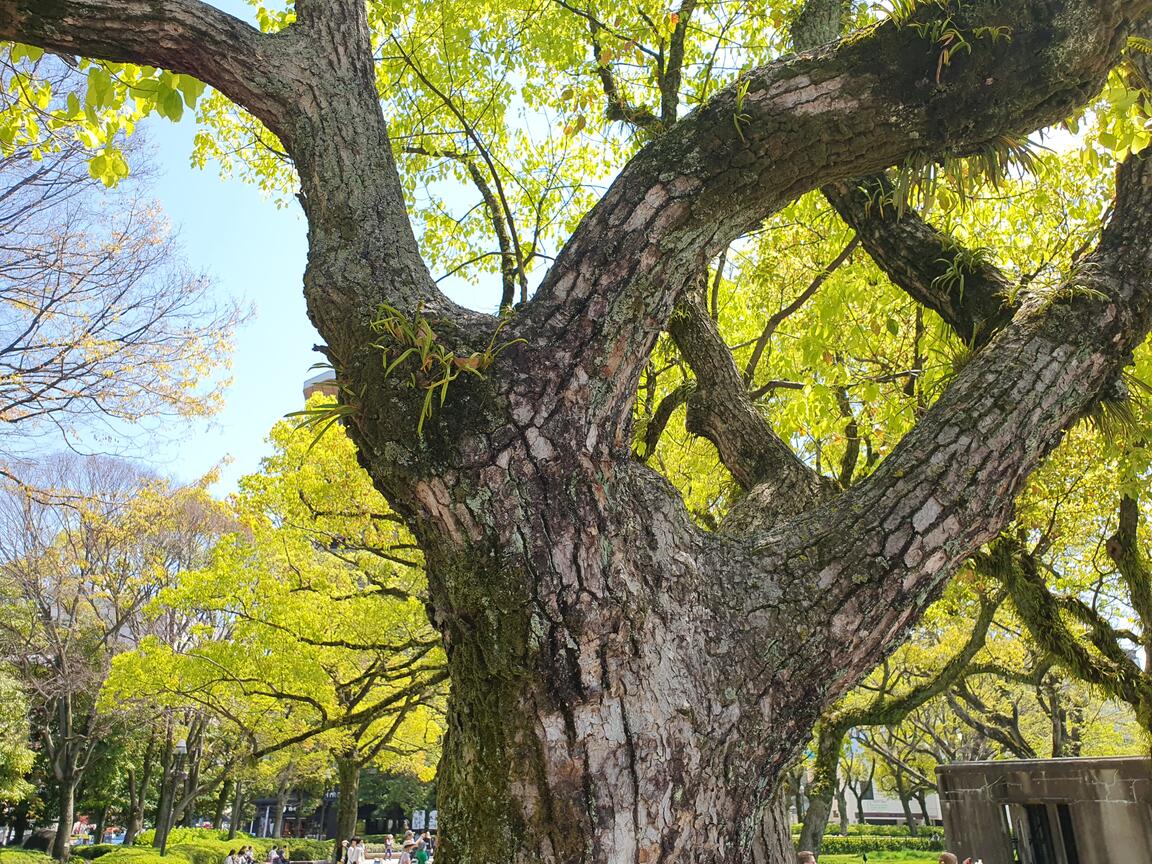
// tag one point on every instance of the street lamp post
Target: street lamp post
(180, 750)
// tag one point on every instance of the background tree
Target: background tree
(318, 635)
(586, 615)
(101, 322)
(76, 569)
(15, 756)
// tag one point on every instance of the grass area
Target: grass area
(883, 858)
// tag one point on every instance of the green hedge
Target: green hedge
(23, 856)
(845, 845)
(309, 850)
(94, 851)
(197, 835)
(855, 830)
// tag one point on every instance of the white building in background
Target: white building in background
(879, 809)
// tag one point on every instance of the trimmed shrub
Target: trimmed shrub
(855, 830)
(138, 855)
(95, 851)
(195, 835)
(863, 843)
(309, 850)
(24, 856)
(200, 853)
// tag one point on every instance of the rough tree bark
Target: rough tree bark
(626, 686)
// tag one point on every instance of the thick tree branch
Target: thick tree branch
(965, 290)
(886, 544)
(848, 110)
(185, 36)
(1126, 552)
(968, 292)
(722, 411)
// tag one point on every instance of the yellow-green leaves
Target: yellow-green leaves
(48, 99)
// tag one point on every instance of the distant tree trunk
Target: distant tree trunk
(842, 804)
(822, 788)
(922, 801)
(165, 803)
(66, 803)
(237, 807)
(348, 776)
(858, 795)
(101, 821)
(19, 824)
(905, 802)
(138, 791)
(221, 803)
(278, 813)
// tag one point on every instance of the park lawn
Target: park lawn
(883, 858)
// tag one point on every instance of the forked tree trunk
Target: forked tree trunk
(627, 687)
(583, 724)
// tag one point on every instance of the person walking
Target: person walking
(406, 851)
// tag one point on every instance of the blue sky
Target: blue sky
(254, 252)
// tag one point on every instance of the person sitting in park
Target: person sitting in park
(805, 858)
(231, 858)
(948, 858)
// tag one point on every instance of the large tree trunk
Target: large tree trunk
(627, 687)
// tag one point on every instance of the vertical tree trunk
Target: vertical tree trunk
(138, 791)
(167, 792)
(278, 813)
(822, 788)
(347, 805)
(66, 802)
(101, 821)
(237, 807)
(905, 802)
(842, 805)
(922, 803)
(20, 826)
(221, 803)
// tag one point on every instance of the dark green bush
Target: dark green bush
(95, 850)
(309, 850)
